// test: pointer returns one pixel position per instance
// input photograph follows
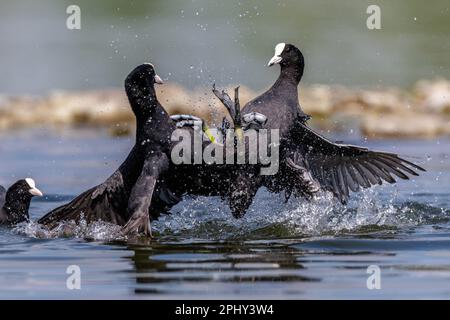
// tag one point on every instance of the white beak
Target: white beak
(36, 192)
(279, 48)
(275, 59)
(158, 79)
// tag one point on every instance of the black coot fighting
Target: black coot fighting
(148, 183)
(126, 196)
(308, 161)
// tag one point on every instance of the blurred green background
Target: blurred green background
(196, 42)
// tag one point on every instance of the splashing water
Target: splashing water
(402, 228)
(98, 230)
(269, 217)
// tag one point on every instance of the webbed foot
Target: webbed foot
(187, 120)
(234, 108)
(198, 124)
(254, 120)
(138, 226)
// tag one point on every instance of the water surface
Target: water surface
(278, 250)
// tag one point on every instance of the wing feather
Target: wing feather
(2, 196)
(341, 168)
(352, 183)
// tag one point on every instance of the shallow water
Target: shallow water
(278, 250)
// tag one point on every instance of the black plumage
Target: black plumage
(148, 182)
(126, 196)
(280, 103)
(15, 202)
(341, 168)
(308, 161)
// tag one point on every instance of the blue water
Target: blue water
(278, 250)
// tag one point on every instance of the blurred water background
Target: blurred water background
(197, 42)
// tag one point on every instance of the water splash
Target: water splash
(98, 230)
(270, 217)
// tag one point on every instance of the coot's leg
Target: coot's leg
(234, 108)
(252, 120)
(188, 120)
(226, 101)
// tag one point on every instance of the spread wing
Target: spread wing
(341, 168)
(103, 202)
(2, 196)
